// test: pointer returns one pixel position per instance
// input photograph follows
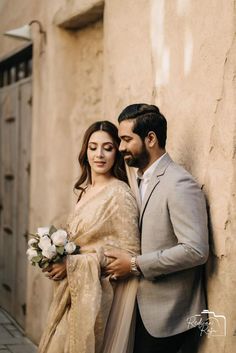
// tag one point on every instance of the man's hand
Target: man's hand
(57, 271)
(120, 263)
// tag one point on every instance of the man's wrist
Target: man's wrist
(134, 269)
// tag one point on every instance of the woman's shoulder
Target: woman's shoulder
(121, 190)
(119, 185)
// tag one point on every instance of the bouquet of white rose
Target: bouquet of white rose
(49, 245)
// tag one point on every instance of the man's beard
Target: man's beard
(140, 160)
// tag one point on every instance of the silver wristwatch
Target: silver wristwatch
(133, 266)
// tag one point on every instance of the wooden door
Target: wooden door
(15, 136)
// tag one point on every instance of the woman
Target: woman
(91, 313)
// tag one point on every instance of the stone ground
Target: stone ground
(12, 338)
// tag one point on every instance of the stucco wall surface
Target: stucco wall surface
(127, 55)
(14, 16)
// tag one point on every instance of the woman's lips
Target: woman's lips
(100, 164)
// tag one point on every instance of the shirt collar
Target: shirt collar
(148, 173)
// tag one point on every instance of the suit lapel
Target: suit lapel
(155, 179)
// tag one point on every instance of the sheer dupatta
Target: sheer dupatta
(119, 336)
(90, 313)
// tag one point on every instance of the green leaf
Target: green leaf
(57, 259)
(36, 259)
(35, 236)
(60, 250)
(52, 230)
(44, 264)
(44, 260)
(31, 235)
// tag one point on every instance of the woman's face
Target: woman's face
(101, 153)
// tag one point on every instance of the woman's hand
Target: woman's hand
(56, 271)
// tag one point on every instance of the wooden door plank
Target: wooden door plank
(9, 187)
(23, 199)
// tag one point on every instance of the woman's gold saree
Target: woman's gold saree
(89, 313)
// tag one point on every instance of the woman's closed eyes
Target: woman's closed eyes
(107, 147)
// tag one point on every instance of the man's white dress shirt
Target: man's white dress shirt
(146, 177)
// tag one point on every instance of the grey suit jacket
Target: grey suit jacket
(174, 245)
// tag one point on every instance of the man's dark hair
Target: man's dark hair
(147, 118)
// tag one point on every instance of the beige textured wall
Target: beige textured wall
(13, 16)
(127, 55)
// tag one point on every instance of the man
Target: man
(174, 236)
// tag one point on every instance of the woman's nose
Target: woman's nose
(100, 152)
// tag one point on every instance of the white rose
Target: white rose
(31, 253)
(44, 242)
(59, 237)
(32, 242)
(70, 247)
(43, 231)
(49, 252)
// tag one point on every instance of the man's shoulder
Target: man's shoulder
(178, 169)
(176, 172)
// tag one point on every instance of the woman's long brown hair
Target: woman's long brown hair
(118, 169)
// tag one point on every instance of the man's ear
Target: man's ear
(151, 139)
